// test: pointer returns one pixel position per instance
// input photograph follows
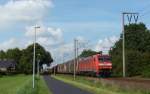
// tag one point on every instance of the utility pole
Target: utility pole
(123, 45)
(78, 46)
(38, 65)
(33, 78)
(38, 68)
(130, 16)
(75, 54)
(55, 66)
(54, 70)
(63, 52)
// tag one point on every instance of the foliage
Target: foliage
(2, 54)
(14, 54)
(87, 53)
(42, 56)
(137, 51)
(24, 58)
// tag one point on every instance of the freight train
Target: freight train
(97, 65)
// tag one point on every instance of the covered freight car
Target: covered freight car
(96, 65)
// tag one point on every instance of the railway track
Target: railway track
(125, 83)
(138, 80)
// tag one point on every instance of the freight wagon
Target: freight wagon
(96, 65)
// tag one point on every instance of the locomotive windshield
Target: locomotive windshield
(104, 59)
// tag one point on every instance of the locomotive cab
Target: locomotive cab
(104, 65)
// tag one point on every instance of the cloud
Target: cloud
(23, 10)
(46, 36)
(63, 52)
(66, 50)
(11, 43)
(105, 44)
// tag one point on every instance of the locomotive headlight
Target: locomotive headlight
(101, 64)
(108, 64)
(105, 64)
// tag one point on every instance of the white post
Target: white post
(54, 70)
(34, 59)
(33, 78)
(77, 52)
(38, 65)
(74, 59)
(38, 71)
(123, 35)
(123, 46)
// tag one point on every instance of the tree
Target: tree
(88, 52)
(137, 49)
(14, 54)
(2, 55)
(26, 59)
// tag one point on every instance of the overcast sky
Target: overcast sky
(96, 23)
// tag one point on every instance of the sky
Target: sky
(95, 23)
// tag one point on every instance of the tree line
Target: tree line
(137, 51)
(24, 57)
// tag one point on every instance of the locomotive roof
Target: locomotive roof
(83, 58)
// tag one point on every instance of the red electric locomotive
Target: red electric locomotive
(99, 65)
(96, 65)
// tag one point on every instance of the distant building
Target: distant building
(45, 68)
(7, 65)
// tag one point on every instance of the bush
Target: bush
(146, 72)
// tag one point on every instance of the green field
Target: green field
(96, 87)
(22, 84)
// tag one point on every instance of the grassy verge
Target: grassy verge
(95, 87)
(11, 84)
(22, 84)
(40, 87)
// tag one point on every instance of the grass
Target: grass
(95, 87)
(43, 89)
(22, 84)
(11, 84)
